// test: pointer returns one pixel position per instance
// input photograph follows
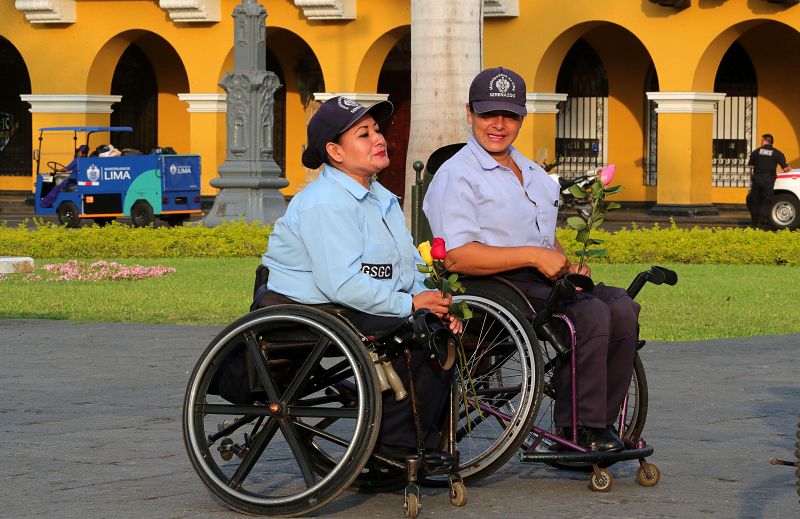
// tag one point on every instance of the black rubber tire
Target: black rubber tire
(319, 374)
(502, 352)
(68, 215)
(785, 211)
(176, 220)
(142, 214)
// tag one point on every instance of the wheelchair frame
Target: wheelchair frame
(542, 443)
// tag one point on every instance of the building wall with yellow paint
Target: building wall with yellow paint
(684, 47)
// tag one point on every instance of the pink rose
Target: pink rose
(438, 251)
(607, 174)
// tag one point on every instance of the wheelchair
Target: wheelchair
(533, 425)
(283, 409)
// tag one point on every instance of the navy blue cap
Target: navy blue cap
(84, 148)
(498, 89)
(334, 117)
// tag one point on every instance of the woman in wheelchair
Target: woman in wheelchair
(343, 240)
(497, 212)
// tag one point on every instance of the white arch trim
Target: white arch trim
(191, 10)
(328, 9)
(214, 103)
(543, 102)
(70, 103)
(47, 11)
(686, 102)
(365, 99)
(494, 8)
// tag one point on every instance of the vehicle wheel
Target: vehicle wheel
(271, 393)
(411, 506)
(648, 475)
(177, 220)
(102, 222)
(785, 212)
(142, 214)
(56, 167)
(601, 481)
(68, 215)
(635, 412)
(458, 494)
(503, 389)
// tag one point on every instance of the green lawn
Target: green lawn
(709, 301)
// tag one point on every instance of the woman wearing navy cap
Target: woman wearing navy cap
(344, 240)
(497, 210)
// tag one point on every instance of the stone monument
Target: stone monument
(249, 178)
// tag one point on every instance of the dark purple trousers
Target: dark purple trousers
(607, 334)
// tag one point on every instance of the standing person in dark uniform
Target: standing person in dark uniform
(497, 210)
(344, 240)
(763, 163)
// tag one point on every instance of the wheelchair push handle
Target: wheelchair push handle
(655, 275)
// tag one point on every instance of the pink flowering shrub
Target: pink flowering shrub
(74, 270)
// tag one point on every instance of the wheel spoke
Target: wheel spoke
(322, 412)
(260, 442)
(302, 375)
(293, 439)
(261, 368)
(252, 410)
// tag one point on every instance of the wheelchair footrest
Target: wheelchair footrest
(588, 456)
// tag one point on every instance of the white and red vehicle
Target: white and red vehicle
(785, 211)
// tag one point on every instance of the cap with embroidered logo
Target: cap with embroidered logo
(498, 89)
(334, 117)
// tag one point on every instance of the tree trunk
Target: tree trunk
(446, 53)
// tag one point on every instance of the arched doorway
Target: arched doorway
(395, 80)
(135, 80)
(734, 120)
(15, 119)
(582, 120)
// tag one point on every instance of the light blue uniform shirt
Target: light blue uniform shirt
(339, 242)
(472, 198)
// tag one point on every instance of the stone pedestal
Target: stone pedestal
(249, 178)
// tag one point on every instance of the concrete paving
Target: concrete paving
(90, 420)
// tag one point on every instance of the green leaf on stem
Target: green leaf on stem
(610, 206)
(576, 222)
(577, 191)
(429, 283)
(452, 278)
(612, 190)
(425, 269)
(597, 219)
(582, 235)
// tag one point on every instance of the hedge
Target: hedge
(242, 239)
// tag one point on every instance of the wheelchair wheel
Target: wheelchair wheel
(281, 411)
(636, 411)
(497, 408)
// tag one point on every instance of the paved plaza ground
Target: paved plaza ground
(90, 419)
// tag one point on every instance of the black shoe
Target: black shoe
(603, 439)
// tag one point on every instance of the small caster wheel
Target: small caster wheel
(601, 481)
(411, 506)
(648, 475)
(225, 449)
(458, 494)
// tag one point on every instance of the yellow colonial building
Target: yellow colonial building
(675, 92)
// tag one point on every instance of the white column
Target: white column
(70, 103)
(686, 102)
(543, 102)
(363, 98)
(215, 103)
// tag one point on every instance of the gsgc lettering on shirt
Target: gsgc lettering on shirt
(377, 271)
